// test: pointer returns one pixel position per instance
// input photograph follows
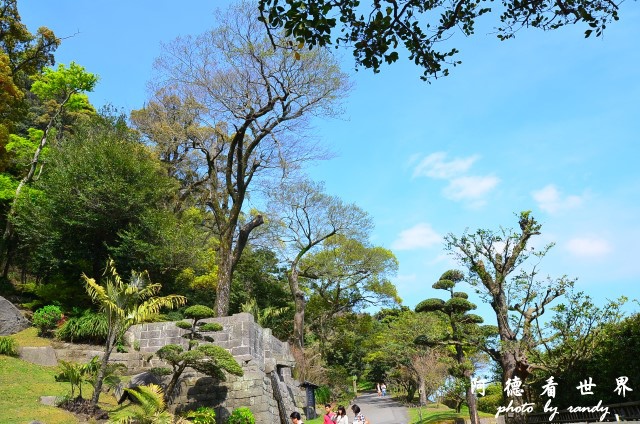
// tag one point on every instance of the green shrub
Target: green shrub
(241, 415)
(184, 325)
(90, 327)
(203, 415)
(8, 346)
(323, 395)
(172, 316)
(46, 319)
(77, 374)
(210, 326)
(161, 371)
(491, 400)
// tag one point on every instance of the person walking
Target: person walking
(341, 417)
(296, 418)
(384, 389)
(359, 416)
(329, 416)
(378, 388)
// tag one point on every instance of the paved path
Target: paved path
(380, 410)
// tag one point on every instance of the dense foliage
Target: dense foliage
(378, 33)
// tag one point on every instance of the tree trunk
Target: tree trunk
(298, 299)
(228, 257)
(473, 407)
(411, 392)
(422, 391)
(223, 291)
(512, 367)
(172, 384)
(111, 342)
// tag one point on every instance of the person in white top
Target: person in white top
(342, 418)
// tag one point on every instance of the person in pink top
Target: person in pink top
(329, 416)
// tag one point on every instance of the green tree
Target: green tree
(346, 275)
(583, 339)
(63, 87)
(464, 334)
(304, 217)
(378, 33)
(260, 278)
(415, 367)
(104, 194)
(229, 113)
(22, 56)
(124, 304)
(495, 262)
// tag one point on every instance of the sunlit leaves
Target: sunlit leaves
(60, 84)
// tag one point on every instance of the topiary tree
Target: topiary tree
(465, 334)
(208, 359)
(197, 313)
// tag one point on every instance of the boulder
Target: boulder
(44, 355)
(142, 379)
(11, 319)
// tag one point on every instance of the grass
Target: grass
(29, 337)
(22, 385)
(432, 414)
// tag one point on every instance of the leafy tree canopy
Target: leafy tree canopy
(378, 33)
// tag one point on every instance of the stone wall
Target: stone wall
(258, 352)
(134, 361)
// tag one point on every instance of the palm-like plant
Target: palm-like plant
(151, 409)
(76, 374)
(124, 304)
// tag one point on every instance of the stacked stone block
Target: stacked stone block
(256, 350)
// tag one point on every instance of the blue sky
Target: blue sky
(548, 122)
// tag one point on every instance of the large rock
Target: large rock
(142, 379)
(11, 319)
(44, 355)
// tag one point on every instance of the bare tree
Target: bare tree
(230, 109)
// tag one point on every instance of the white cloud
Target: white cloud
(588, 247)
(460, 187)
(417, 237)
(550, 199)
(470, 188)
(435, 166)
